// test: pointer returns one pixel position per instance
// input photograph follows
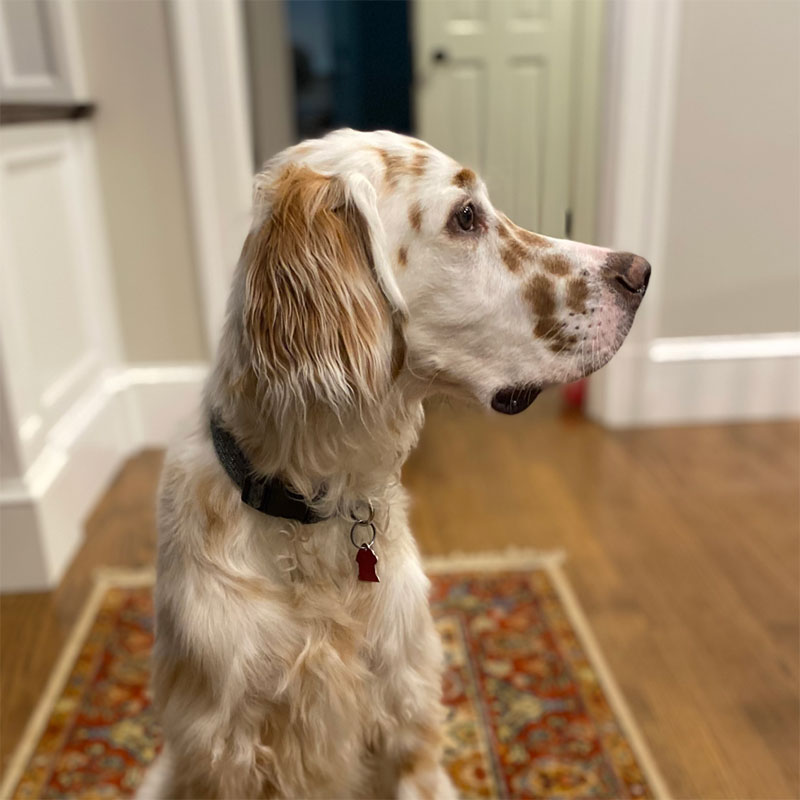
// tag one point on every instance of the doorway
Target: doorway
(352, 65)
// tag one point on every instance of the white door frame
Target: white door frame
(641, 76)
(208, 46)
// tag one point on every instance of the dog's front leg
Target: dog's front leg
(421, 775)
(413, 760)
(408, 686)
(426, 781)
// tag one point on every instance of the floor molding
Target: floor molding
(161, 397)
(711, 380)
(43, 513)
(494, 560)
(721, 348)
(615, 697)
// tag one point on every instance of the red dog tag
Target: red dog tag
(366, 561)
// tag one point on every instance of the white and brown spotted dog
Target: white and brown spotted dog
(376, 273)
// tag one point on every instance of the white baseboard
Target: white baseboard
(42, 516)
(720, 379)
(160, 397)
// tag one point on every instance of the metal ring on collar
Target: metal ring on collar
(368, 520)
(357, 524)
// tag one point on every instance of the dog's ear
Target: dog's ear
(318, 324)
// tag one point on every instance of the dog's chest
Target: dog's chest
(358, 644)
(348, 656)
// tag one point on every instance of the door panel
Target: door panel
(465, 17)
(493, 91)
(525, 175)
(466, 101)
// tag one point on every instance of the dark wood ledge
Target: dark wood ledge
(17, 113)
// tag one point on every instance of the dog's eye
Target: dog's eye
(465, 216)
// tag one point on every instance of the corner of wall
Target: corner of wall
(42, 515)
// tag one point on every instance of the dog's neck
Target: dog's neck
(355, 455)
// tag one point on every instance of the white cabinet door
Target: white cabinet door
(63, 437)
(493, 90)
(39, 52)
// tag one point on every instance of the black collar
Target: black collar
(267, 495)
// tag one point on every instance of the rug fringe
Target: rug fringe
(509, 558)
(606, 677)
(52, 691)
(125, 577)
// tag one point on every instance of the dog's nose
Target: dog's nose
(628, 272)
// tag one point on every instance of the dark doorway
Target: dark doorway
(352, 64)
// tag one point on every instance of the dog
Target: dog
(295, 653)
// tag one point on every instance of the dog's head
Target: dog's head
(373, 255)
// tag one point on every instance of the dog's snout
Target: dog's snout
(628, 272)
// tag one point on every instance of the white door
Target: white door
(493, 90)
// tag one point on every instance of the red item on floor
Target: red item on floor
(575, 394)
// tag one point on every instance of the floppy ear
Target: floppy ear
(317, 324)
(363, 196)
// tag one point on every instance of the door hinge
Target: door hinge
(568, 223)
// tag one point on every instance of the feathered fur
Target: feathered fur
(275, 672)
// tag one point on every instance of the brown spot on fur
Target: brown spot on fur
(399, 349)
(562, 344)
(513, 254)
(418, 164)
(532, 239)
(464, 178)
(540, 294)
(394, 166)
(206, 503)
(555, 264)
(402, 257)
(504, 231)
(415, 216)
(552, 331)
(420, 145)
(507, 228)
(546, 328)
(577, 295)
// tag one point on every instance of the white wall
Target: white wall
(126, 52)
(701, 162)
(271, 95)
(732, 260)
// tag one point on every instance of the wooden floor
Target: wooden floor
(683, 547)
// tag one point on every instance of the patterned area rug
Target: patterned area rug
(532, 710)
